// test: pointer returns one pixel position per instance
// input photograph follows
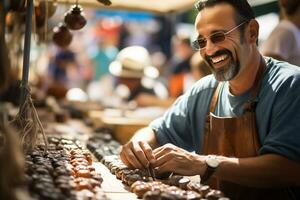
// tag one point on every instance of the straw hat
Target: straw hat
(133, 62)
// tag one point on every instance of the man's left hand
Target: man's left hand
(170, 158)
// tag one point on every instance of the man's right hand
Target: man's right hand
(137, 154)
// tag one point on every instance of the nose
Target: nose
(210, 48)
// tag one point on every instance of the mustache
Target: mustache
(218, 53)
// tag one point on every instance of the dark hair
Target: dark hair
(242, 7)
(291, 7)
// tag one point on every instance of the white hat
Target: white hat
(133, 62)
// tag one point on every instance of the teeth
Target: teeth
(219, 58)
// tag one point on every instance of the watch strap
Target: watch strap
(207, 174)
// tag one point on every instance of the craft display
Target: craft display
(65, 171)
(141, 182)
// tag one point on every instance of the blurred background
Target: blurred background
(163, 29)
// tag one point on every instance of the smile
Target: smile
(218, 59)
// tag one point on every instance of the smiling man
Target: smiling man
(242, 122)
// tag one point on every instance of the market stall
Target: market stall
(74, 151)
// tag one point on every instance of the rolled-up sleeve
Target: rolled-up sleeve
(174, 126)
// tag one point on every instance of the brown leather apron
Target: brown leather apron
(237, 137)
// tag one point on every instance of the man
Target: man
(180, 64)
(132, 69)
(284, 41)
(251, 104)
(63, 73)
(199, 69)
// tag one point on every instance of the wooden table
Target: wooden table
(76, 129)
(113, 188)
(124, 124)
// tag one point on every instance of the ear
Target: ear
(253, 30)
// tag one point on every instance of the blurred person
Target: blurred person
(284, 41)
(179, 64)
(237, 128)
(199, 69)
(104, 56)
(132, 68)
(64, 73)
(107, 33)
(9, 83)
(12, 90)
(138, 32)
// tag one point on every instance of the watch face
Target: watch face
(212, 161)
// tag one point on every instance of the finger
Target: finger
(134, 162)
(155, 151)
(163, 159)
(124, 157)
(160, 153)
(166, 167)
(132, 159)
(140, 155)
(125, 161)
(166, 149)
(148, 151)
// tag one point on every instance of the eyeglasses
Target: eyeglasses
(214, 38)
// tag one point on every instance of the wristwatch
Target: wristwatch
(212, 163)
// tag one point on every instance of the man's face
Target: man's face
(224, 58)
(131, 83)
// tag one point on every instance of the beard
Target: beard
(228, 71)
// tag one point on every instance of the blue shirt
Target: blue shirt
(277, 112)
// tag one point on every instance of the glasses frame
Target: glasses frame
(195, 44)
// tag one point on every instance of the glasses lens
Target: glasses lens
(214, 38)
(217, 37)
(195, 45)
(199, 44)
(202, 43)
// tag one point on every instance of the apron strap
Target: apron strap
(214, 100)
(253, 99)
(251, 103)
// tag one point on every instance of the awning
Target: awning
(155, 6)
(165, 6)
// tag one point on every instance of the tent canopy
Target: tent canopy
(154, 6)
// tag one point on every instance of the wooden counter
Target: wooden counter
(127, 123)
(76, 129)
(113, 188)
